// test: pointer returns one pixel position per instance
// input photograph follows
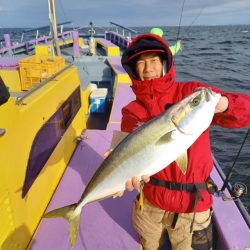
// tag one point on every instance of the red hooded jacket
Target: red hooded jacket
(152, 98)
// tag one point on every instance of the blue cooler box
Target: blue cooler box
(98, 100)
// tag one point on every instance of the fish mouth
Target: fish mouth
(208, 94)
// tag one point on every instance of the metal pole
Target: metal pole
(53, 25)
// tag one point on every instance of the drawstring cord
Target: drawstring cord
(141, 196)
(197, 198)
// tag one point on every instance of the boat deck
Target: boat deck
(104, 225)
(108, 224)
(233, 231)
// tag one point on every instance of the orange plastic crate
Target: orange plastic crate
(35, 69)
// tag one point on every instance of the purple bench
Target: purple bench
(105, 42)
(115, 63)
(123, 96)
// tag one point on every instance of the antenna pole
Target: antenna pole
(53, 27)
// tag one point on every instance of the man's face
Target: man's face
(149, 66)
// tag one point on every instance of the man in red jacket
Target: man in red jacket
(173, 201)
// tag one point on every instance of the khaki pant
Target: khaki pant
(153, 222)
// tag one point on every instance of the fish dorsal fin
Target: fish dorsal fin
(182, 162)
(165, 138)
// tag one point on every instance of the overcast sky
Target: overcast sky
(131, 13)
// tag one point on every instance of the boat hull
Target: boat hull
(22, 123)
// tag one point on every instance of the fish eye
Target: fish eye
(196, 101)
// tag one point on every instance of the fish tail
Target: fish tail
(72, 214)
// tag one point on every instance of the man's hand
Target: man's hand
(222, 105)
(130, 184)
(134, 183)
(107, 153)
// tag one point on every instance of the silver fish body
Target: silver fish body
(146, 151)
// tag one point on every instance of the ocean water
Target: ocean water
(219, 56)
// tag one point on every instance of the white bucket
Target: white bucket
(93, 86)
(98, 100)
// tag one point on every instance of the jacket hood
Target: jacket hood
(146, 43)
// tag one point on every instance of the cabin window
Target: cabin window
(49, 136)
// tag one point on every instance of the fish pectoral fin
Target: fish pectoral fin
(165, 138)
(182, 162)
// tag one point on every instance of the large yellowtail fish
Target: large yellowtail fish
(146, 151)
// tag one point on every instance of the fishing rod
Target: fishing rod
(178, 46)
(239, 189)
(196, 17)
(194, 20)
(179, 27)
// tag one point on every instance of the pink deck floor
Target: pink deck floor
(104, 225)
(107, 225)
